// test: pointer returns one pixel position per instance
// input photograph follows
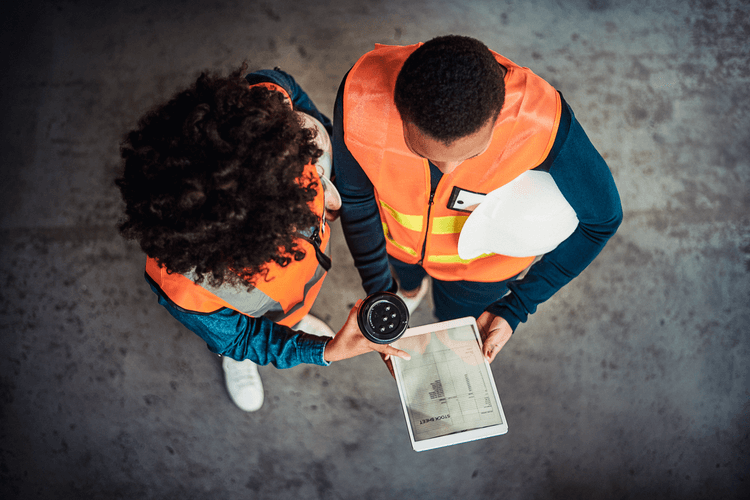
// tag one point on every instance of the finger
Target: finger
(490, 351)
(392, 351)
(353, 312)
(492, 355)
(484, 332)
(483, 324)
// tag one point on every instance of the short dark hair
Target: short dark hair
(213, 181)
(449, 87)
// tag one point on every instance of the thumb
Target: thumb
(489, 351)
(352, 318)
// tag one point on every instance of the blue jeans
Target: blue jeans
(453, 299)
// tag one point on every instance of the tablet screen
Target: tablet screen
(447, 389)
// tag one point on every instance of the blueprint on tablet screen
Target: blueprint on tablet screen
(446, 387)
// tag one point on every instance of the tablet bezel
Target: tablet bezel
(461, 436)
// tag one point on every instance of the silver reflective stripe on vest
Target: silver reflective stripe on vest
(255, 302)
(252, 302)
(278, 315)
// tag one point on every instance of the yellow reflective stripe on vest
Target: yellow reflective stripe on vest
(395, 243)
(451, 224)
(413, 222)
(454, 259)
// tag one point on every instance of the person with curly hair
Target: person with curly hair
(425, 134)
(225, 192)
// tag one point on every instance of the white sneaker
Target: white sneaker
(312, 325)
(243, 383)
(413, 302)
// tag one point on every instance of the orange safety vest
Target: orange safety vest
(523, 136)
(294, 287)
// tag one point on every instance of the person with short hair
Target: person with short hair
(225, 193)
(425, 134)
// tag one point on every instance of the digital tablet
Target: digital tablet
(446, 389)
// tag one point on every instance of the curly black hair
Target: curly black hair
(449, 87)
(213, 181)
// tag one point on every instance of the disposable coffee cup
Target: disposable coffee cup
(383, 317)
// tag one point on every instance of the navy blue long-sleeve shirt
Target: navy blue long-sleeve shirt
(576, 166)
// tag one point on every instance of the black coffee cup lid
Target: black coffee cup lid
(383, 317)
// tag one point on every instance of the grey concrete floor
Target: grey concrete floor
(632, 382)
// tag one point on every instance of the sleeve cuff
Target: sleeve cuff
(311, 349)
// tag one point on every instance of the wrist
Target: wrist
(327, 352)
(324, 354)
(503, 312)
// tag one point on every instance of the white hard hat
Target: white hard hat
(529, 216)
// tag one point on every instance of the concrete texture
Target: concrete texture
(630, 383)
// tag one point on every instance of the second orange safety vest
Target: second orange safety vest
(416, 229)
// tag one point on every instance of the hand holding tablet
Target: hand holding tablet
(447, 390)
(495, 332)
